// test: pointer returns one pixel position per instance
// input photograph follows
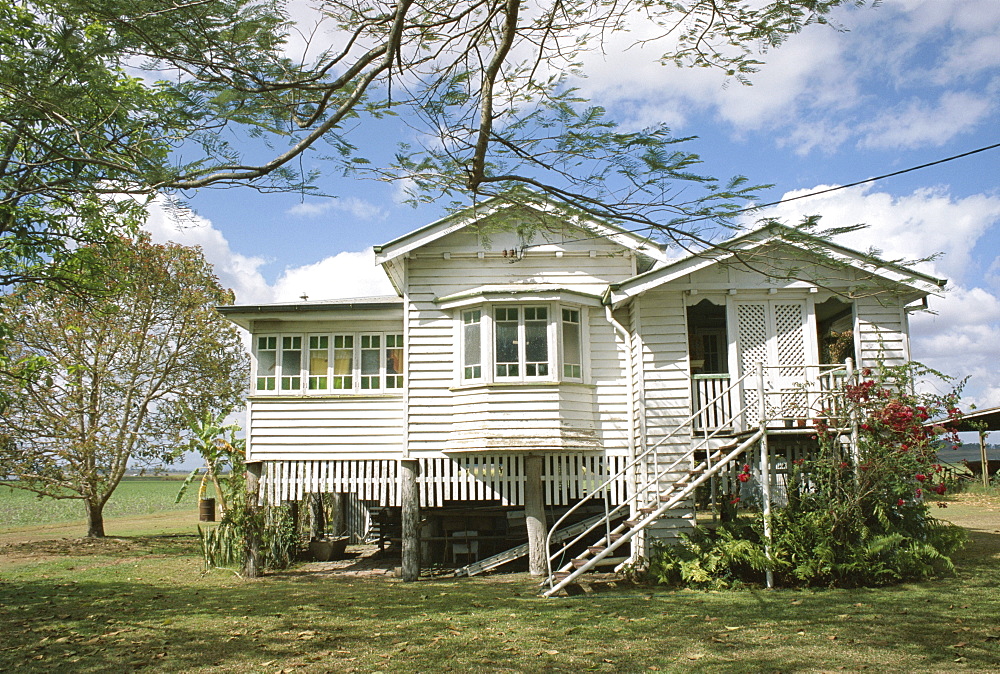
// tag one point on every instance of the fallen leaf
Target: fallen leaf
(552, 652)
(960, 644)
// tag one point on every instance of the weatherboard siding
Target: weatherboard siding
(312, 427)
(445, 415)
(666, 400)
(881, 327)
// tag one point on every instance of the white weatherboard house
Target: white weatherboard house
(525, 338)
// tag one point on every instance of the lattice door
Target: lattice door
(789, 398)
(752, 325)
(773, 333)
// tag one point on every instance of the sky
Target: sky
(905, 83)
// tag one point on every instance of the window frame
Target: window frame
(274, 384)
(555, 342)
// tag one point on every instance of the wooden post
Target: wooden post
(251, 540)
(338, 506)
(984, 458)
(317, 517)
(410, 498)
(534, 516)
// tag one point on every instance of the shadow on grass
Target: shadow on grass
(163, 614)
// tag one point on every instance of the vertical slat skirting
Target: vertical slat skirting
(566, 478)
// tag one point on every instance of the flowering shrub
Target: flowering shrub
(853, 518)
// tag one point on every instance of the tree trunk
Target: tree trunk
(317, 518)
(410, 498)
(251, 540)
(95, 519)
(534, 516)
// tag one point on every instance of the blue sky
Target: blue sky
(903, 84)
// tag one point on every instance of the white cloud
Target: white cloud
(914, 226)
(359, 208)
(899, 75)
(962, 338)
(348, 274)
(236, 271)
(918, 123)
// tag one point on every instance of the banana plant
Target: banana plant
(218, 445)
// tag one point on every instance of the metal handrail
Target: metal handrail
(639, 490)
(631, 464)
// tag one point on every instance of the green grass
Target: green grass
(146, 603)
(134, 496)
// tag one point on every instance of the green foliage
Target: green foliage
(217, 443)
(853, 518)
(119, 371)
(224, 546)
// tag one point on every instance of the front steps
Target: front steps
(647, 516)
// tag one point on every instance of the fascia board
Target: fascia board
(921, 283)
(507, 294)
(456, 221)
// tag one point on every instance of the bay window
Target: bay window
(521, 342)
(325, 363)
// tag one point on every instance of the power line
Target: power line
(866, 180)
(756, 207)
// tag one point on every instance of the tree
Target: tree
(486, 85)
(116, 372)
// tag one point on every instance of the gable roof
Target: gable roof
(495, 206)
(921, 284)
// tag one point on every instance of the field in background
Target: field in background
(135, 498)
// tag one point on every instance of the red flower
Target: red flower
(735, 500)
(900, 502)
(940, 489)
(843, 464)
(920, 492)
(920, 477)
(743, 477)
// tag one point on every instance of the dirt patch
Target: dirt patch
(358, 561)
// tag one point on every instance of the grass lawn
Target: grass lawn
(146, 603)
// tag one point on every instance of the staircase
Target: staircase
(595, 555)
(648, 501)
(661, 492)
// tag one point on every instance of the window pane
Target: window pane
(319, 362)
(506, 342)
(472, 346)
(370, 378)
(291, 363)
(571, 344)
(267, 361)
(394, 361)
(343, 362)
(536, 348)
